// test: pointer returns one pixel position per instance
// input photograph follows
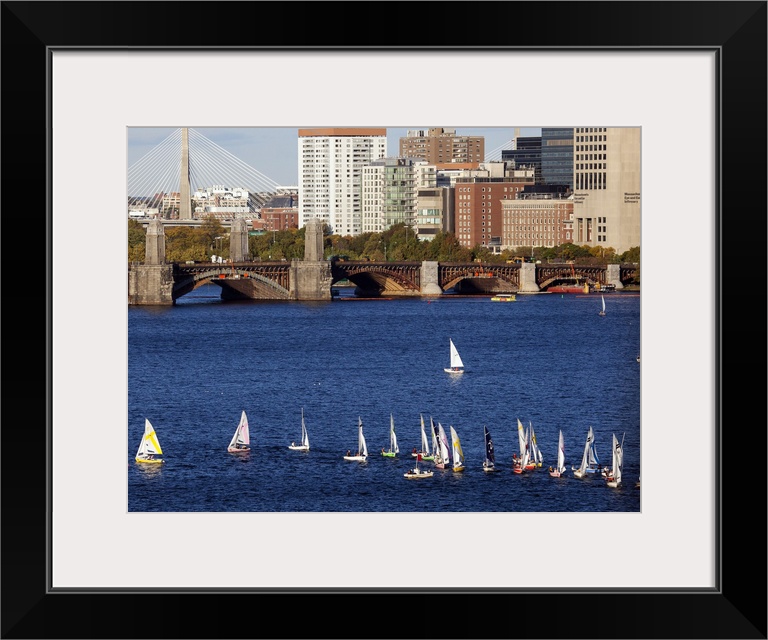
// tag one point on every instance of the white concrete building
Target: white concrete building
(331, 162)
(606, 186)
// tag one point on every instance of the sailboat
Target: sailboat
(241, 440)
(589, 460)
(362, 449)
(424, 453)
(149, 446)
(457, 366)
(602, 311)
(304, 446)
(458, 454)
(613, 477)
(537, 458)
(418, 473)
(489, 464)
(560, 469)
(442, 452)
(393, 448)
(525, 461)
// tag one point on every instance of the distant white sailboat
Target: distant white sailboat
(457, 365)
(424, 453)
(589, 460)
(602, 311)
(362, 449)
(241, 440)
(393, 448)
(560, 469)
(149, 447)
(304, 446)
(613, 476)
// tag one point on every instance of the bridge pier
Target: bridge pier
(528, 278)
(429, 279)
(613, 275)
(151, 284)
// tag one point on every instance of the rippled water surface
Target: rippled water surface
(548, 359)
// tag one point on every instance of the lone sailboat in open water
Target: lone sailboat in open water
(457, 365)
(149, 447)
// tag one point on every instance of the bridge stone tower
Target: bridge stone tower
(152, 282)
(311, 277)
(528, 278)
(613, 275)
(154, 250)
(238, 241)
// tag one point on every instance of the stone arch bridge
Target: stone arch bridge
(155, 282)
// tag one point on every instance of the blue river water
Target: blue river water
(548, 359)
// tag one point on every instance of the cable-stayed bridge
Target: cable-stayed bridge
(187, 163)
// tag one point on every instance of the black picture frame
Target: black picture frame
(735, 609)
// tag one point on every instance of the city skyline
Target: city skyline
(256, 146)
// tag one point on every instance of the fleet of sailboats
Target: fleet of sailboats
(445, 453)
(457, 365)
(304, 442)
(362, 450)
(393, 448)
(241, 440)
(149, 447)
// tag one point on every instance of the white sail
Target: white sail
(592, 459)
(455, 357)
(522, 440)
(603, 301)
(304, 444)
(458, 454)
(392, 437)
(561, 453)
(445, 453)
(304, 434)
(424, 441)
(149, 444)
(618, 461)
(536, 454)
(436, 449)
(242, 436)
(587, 456)
(362, 449)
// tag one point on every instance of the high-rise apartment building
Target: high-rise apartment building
(390, 191)
(606, 203)
(331, 161)
(439, 145)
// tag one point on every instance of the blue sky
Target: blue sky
(273, 150)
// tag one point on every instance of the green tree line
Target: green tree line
(399, 243)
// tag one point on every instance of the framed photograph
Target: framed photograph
(77, 76)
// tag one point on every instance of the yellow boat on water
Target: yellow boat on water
(504, 297)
